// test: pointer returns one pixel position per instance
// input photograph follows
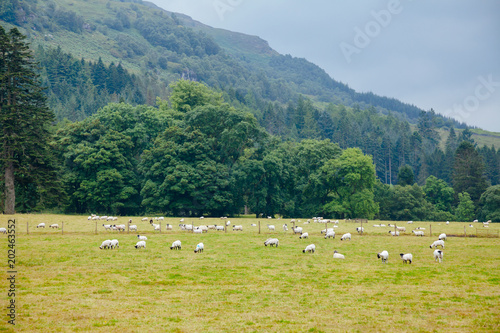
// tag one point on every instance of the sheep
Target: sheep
(211, 227)
(176, 245)
(203, 228)
(384, 255)
(330, 234)
(41, 225)
(285, 227)
(420, 228)
(309, 248)
(103, 217)
(168, 227)
(106, 244)
(3, 230)
(437, 243)
(418, 233)
(402, 229)
(133, 227)
(140, 244)
(447, 222)
(304, 235)
(346, 236)
(156, 226)
(107, 226)
(253, 225)
(442, 237)
(297, 230)
(142, 237)
(197, 231)
(394, 233)
(199, 248)
(228, 223)
(271, 242)
(145, 219)
(438, 255)
(120, 227)
(114, 244)
(410, 222)
(324, 231)
(270, 227)
(219, 227)
(237, 228)
(54, 226)
(360, 230)
(406, 257)
(337, 255)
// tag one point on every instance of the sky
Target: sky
(443, 55)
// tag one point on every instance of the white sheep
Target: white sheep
(253, 225)
(406, 257)
(142, 237)
(145, 219)
(330, 234)
(156, 226)
(384, 255)
(285, 227)
(237, 228)
(41, 225)
(324, 231)
(199, 248)
(304, 235)
(442, 237)
(3, 230)
(176, 245)
(402, 229)
(197, 231)
(271, 227)
(168, 227)
(140, 244)
(337, 255)
(54, 226)
(410, 222)
(271, 242)
(297, 230)
(346, 236)
(107, 226)
(219, 227)
(106, 244)
(114, 244)
(437, 243)
(447, 222)
(418, 233)
(309, 248)
(120, 227)
(132, 227)
(360, 230)
(438, 255)
(394, 233)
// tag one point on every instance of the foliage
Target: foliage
(468, 171)
(490, 204)
(466, 209)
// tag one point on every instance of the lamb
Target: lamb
(140, 244)
(270, 227)
(346, 236)
(176, 245)
(360, 230)
(297, 230)
(142, 237)
(54, 226)
(437, 243)
(384, 255)
(447, 222)
(309, 248)
(156, 226)
(438, 255)
(3, 230)
(41, 225)
(285, 227)
(107, 226)
(271, 242)
(394, 233)
(418, 233)
(337, 255)
(442, 237)
(304, 235)
(330, 234)
(114, 244)
(237, 228)
(133, 227)
(120, 227)
(199, 248)
(106, 244)
(406, 257)
(168, 227)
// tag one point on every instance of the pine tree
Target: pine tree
(24, 118)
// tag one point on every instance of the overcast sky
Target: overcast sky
(440, 54)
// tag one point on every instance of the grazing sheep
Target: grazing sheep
(270, 227)
(304, 235)
(406, 257)
(211, 227)
(309, 248)
(145, 219)
(3, 230)
(140, 244)
(156, 226)
(384, 255)
(120, 227)
(330, 234)
(253, 225)
(54, 226)
(176, 245)
(219, 228)
(107, 226)
(360, 230)
(437, 243)
(197, 231)
(418, 233)
(271, 242)
(106, 244)
(419, 228)
(438, 255)
(114, 244)
(337, 255)
(410, 222)
(228, 223)
(442, 237)
(133, 227)
(237, 228)
(402, 229)
(168, 227)
(285, 227)
(447, 222)
(324, 231)
(346, 236)
(41, 225)
(394, 233)
(142, 237)
(199, 248)
(297, 230)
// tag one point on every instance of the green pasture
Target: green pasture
(65, 283)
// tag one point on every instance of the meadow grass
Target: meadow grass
(66, 283)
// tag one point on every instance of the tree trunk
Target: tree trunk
(10, 191)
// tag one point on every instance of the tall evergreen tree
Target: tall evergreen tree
(24, 118)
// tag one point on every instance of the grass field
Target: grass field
(65, 283)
